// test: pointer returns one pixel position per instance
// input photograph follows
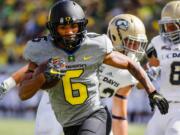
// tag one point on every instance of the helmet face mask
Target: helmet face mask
(136, 45)
(170, 22)
(67, 12)
(127, 34)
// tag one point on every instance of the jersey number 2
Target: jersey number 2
(75, 92)
(175, 73)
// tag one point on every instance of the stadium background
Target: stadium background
(23, 19)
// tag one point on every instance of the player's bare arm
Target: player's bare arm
(42, 76)
(119, 60)
(30, 84)
(18, 75)
(12, 81)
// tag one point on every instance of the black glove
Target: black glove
(157, 99)
(55, 69)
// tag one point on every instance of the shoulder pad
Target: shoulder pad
(156, 40)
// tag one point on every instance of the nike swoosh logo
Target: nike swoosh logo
(87, 58)
(52, 71)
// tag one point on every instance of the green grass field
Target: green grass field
(16, 127)
(26, 127)
(136, 129)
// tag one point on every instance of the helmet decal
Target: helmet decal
(122, 24)
(67, 19)
(127, 33)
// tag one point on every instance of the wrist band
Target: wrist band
(9, 83)
(120, 96)
(118, 117)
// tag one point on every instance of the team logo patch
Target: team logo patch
(166, 47)
(67, 19)
(86, 58)
(109, 74)
(122, 24)
(169, 48)
(71, 58)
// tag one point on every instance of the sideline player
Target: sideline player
(164, 50)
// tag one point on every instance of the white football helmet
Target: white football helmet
(170, 22)
(127, 33)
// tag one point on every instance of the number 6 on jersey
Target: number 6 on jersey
(74, 87)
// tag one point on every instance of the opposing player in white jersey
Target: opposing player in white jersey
(164, 50)
(127, 33)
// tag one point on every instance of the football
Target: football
(40, 69)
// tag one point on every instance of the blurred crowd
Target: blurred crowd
(22, 20)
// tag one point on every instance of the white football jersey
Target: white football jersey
(169, 57)
(111, 79)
